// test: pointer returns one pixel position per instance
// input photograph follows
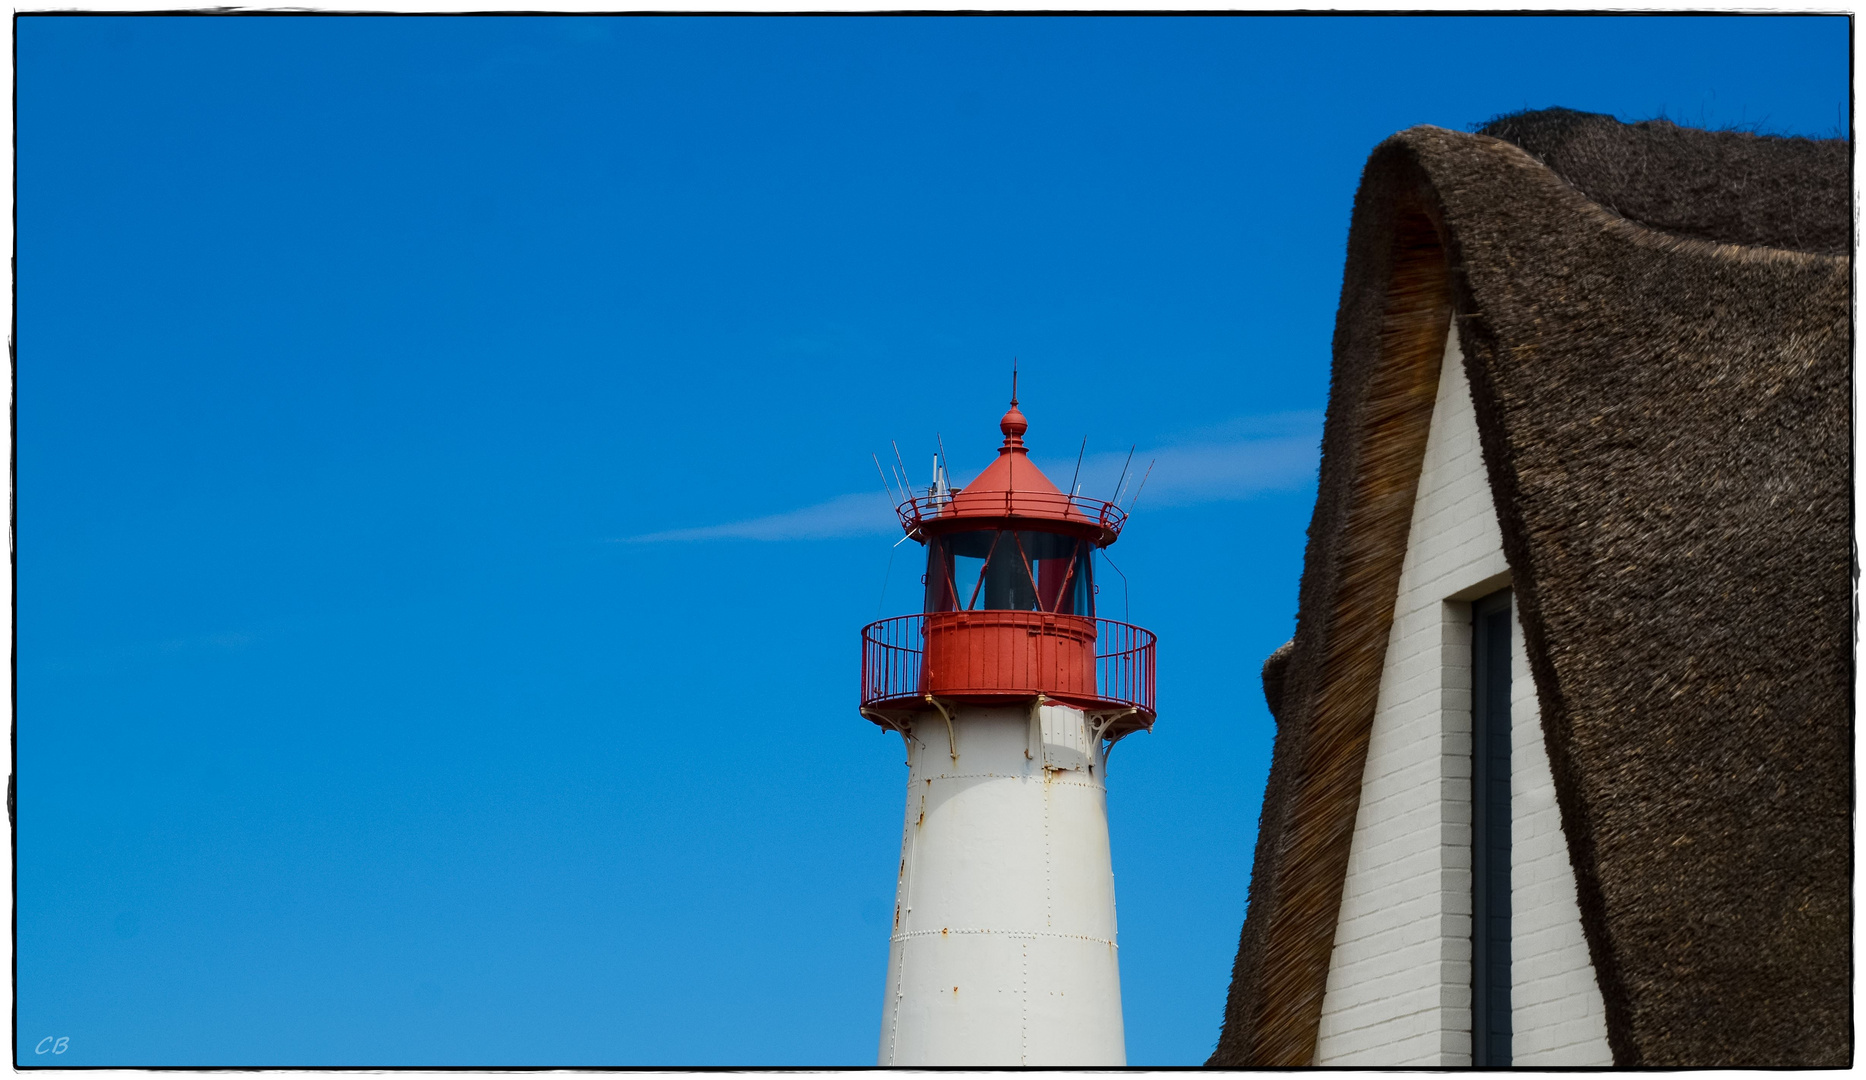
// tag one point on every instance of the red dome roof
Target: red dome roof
(1012, 487)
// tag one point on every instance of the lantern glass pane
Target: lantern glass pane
(1002, 570)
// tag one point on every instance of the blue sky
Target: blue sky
(445, 505)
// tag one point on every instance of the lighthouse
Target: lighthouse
(1008, 691)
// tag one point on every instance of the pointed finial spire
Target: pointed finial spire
(1013, 425)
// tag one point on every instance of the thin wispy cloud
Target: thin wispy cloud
(1237, 460)
(863, 514)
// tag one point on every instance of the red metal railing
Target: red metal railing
(1124, 664)
(891, 654)
(924, 508)
(893, 651)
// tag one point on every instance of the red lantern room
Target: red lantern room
(1010, 602)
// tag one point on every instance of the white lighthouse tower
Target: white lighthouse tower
(1008, 693)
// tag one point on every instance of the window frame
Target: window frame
(1492, 642)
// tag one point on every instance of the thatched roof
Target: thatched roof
(1655, 325)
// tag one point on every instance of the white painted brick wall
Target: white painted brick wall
(1399, 983)
(1555, 1005)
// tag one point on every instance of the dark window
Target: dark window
(1005, 570)
(1490, 831)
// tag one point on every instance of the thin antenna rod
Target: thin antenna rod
(1072, 480)
(1013, 380)
(903, 464)
(1142, 487)
(945, 466)
(884, 481)
(1123, 480)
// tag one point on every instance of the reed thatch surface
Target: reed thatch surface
(1656, 332)
(1725, 187)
